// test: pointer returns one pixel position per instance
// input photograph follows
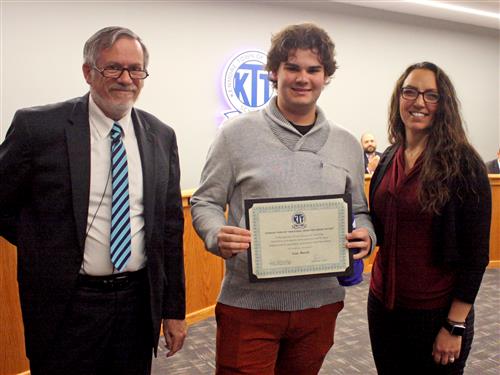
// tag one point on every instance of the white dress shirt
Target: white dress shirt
(96, 259)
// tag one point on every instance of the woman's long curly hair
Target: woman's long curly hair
(450, 163)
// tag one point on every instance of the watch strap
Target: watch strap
(454, 329)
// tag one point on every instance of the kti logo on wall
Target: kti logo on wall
(245, 82)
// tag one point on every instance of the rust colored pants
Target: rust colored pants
(268, 342)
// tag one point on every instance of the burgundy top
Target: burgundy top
(403, 274)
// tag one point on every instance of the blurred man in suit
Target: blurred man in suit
(372, 156)
(90, 196)
(493, 166)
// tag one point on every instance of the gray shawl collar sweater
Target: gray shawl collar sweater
(261, 155)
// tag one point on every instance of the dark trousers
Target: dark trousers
(402, 340)
(107, 331)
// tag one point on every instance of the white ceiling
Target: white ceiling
(401, 6)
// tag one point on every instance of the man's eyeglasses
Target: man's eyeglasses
(116, 72)
(409, 93)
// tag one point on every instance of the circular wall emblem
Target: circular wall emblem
(245, 82)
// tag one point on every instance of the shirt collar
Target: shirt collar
(103, 124)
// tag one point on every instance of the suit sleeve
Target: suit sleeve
(174, 301)
(15, 166)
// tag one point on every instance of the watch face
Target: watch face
(457, 330)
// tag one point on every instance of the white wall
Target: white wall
(189, 42)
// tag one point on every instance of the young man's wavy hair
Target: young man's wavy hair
(450, 163)
(302, 36)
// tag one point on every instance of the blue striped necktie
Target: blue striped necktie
(120, 205)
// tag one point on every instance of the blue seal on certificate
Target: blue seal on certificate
(299, 220)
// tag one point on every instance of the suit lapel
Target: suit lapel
(78, 142)
(146, 144)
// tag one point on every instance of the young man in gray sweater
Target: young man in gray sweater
(287, 149)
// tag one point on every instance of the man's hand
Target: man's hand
(373, 163)
(359, 239)
(175, 332)
(233, 240)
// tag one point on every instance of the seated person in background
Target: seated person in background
(493, 166)
(372, 157)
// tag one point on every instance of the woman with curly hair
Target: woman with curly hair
(431, 207)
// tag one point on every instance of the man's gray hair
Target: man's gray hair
(105, 38)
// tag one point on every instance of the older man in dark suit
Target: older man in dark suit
(90, 196)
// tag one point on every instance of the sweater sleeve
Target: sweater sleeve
(359, 203)
(209, 201)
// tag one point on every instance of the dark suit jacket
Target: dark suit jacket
(366, 159)
(44, 198)
(492, 166)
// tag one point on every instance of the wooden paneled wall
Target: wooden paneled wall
(12, 355)
(204, 273)
(495, 221)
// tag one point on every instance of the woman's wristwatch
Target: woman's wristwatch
(455, 328)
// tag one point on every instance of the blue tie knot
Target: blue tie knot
(116, 132)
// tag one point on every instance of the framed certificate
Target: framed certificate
(299, 237)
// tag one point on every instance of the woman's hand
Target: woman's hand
(446, 348)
